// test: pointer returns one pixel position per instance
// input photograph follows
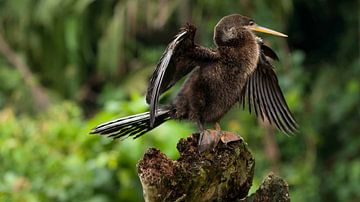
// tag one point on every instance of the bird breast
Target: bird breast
(215, 87)
(242, 60)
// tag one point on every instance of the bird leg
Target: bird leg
(217, 126)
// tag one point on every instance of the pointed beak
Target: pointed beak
(258, 28)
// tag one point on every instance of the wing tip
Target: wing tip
(92, 132)
(293, 130)
(95, 130)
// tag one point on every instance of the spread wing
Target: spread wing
(180, 57)
(262, 93)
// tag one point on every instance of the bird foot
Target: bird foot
(209, 139)
(227, 137)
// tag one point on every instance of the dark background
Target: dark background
(66, 66)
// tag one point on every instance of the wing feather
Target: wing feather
(274, 108)
(180, 58)
(156, 82)
(263, 94)
(258, 96)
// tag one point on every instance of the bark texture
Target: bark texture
(273, 188)
(224, 174)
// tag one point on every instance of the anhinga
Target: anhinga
(237, 70)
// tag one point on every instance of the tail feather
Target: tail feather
(135, 125)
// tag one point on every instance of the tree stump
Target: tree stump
(224, 174)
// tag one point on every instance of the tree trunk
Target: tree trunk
(224, 174)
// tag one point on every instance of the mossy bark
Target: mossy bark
(224, 174)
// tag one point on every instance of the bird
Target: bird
(237, 70)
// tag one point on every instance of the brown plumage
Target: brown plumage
(237, 70)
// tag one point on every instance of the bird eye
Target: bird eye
(251, 23)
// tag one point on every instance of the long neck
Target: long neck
(250, 53)
(243, 50)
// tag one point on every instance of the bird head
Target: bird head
(234, 29)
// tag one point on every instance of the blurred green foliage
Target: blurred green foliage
(94, 58)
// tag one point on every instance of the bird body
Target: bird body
(204, 97)
(237, 70)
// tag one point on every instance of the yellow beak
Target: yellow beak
(258, 28)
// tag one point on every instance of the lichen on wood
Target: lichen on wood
(273, 188)
(222, 174)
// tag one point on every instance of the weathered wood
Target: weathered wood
(224, 174)
(273, 188)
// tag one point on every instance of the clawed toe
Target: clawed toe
(227, 137)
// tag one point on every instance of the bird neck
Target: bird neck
(244, 52)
